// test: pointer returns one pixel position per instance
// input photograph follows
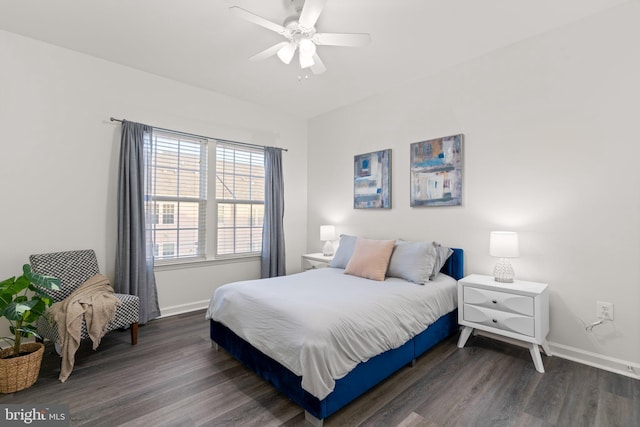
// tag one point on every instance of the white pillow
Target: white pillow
(412, 261)
(344, 252)
(442, 254)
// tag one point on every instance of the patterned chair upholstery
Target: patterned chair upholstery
(73, 268)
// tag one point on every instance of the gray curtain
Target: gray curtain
(273, 260)
(134, 254)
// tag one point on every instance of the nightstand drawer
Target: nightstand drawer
(499, 319)
(499, 300)
(313, 261)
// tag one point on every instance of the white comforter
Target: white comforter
(321, 323)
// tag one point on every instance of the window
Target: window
(155, 214)
(177, 192)
(167, 213)
(240, 199)
(168, 249)
(176, 195)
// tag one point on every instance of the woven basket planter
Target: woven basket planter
(18, 373)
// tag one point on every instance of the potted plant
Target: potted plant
(23, 300)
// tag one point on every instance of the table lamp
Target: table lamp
(504, 245)
(327, 234)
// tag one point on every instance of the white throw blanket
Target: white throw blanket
(321, 323)
(95, 302)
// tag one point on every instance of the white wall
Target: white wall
(551, 151)
(59, 158)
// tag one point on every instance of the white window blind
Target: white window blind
(240, 198)
(176, 195)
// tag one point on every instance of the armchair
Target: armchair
(73, 268)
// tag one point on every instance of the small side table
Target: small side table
(315, 260)
(518, 310)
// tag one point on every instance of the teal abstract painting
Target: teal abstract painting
(372, 180)
(436, 172)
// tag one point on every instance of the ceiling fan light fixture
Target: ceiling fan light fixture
(299, 30)
(286, 53)
(306, 61)
(307, 47)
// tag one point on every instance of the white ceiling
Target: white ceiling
(201, 43)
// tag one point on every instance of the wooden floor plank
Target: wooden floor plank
(614, 410)
(552, 390)
(173, 377)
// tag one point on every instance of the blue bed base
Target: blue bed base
(362, 378)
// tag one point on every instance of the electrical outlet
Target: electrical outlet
(604, 310)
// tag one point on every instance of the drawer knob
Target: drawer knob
(494, 301)
(494, 321)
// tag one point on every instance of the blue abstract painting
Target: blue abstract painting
(372, 180)
(436, 172)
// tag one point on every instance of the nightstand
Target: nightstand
(518, 310)
(316, 260)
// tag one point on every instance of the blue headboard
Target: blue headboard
(454, 266)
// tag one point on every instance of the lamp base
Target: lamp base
(327, 250)
(503, 272)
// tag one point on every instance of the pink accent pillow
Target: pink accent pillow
(370, 258)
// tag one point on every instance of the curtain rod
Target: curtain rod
(202, 136)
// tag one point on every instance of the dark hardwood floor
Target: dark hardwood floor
(173, 377)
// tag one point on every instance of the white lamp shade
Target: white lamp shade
(306, 61)
(307, 47)
(286, 53)
(504, 244)
(327, 232)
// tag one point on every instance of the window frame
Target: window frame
(208, 203)
(236, 202)
(155, 205)
(168, 214)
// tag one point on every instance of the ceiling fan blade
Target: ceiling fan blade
(318, 66)
(338, 39)
(268, 52)
(251, 17)
(310, 12)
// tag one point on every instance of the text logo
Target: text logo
(34, 415)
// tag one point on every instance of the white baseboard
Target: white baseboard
(618, 366)
(611, 364)
(184, 308)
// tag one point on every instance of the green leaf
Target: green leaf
(46, 300)
(6, 283)
(5, 300)
(16, 310)
(27, 331)
(24, 333)
(36, 311)
(15, 286)
(40, 280)
(21, 298)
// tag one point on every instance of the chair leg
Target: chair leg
(134, 333)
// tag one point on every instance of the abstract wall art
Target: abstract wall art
(372, 180)
(436, 172)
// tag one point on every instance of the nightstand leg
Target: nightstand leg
(535, 355)
(464, 336)
(546, 348)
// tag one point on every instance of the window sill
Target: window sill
(197, 263)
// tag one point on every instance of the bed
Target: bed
(323, 380)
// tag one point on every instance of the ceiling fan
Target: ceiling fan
(300, 32)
